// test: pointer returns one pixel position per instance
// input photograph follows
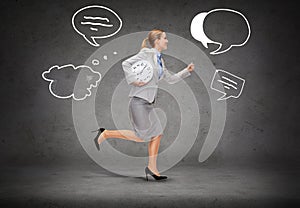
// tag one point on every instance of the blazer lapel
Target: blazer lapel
(163, 68)
(155, 59)
(163, 63)
(155, 67)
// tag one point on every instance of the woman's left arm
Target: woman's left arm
(172, 79)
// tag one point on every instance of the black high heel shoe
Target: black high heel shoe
(156, 177)
(96, 138)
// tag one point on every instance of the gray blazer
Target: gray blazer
(149, 90)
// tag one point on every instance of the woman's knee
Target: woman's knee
(156, 137)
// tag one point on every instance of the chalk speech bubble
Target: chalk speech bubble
(94, 22)
(88, 79)
(197, 31)
(231, 84)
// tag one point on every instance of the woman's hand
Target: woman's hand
(191, 67)
(139, 84)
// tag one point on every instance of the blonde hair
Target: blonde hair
(152, 36)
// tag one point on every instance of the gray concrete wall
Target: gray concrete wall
(261, 126)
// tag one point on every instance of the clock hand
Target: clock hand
(142, 70)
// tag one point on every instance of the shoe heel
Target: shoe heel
(146, 172)
(100, 130)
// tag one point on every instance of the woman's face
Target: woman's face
(162, 43)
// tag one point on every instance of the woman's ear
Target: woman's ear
(156, 42)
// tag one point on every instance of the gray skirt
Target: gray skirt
(143, 118)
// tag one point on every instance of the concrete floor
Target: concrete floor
(187, 186)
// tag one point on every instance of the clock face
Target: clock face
(143, 71)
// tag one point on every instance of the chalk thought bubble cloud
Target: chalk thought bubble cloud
(94, 22)
(229, 85)
(62, 81)
(198, 31)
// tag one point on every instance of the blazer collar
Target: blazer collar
(156, 53)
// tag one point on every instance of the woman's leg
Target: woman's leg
(119, 134)
(153, 147)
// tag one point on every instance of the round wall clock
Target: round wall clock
(143, 71)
